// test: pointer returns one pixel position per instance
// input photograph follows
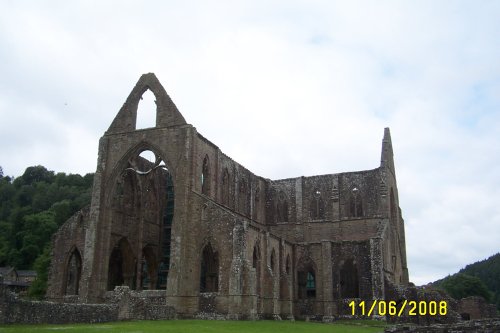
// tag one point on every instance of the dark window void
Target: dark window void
(256, 265)
(121, 270)
(317, 206)
(243, 197)
(73, 273)
(205, 176)
(355, 203)
(287, 264)
(282, 208)
(209, 277)
(146, 111)
(349, 282)
(225, 187)
(307, 284)
(149, 276)
(311, 285)
(272, 260)
(256, 257)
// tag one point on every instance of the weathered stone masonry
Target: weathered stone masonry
(217, 238)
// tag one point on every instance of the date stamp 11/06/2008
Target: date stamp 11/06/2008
(393, 308)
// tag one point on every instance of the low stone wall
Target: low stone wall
(121, 304)
(475, 307)
(142, 305)
(14, 310)
(472, 326)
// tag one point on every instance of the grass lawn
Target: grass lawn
(206, 326)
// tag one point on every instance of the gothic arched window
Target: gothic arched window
(282, 208)
(209, 275)
(225, 187)
(272, 260)
(243, 197)
(355, 203)
(317, 206)
(349, 282)
(73, 273)
(205, 176)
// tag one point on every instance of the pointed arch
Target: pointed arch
(149, 268)
(272, 260)
(122, 265)
(317, 206)
(144, 185)
(73, 272)
(282, 208)
(288, 264)
(167, 113)
(209, 273)
(349, 279)
(256, 255)
(225, 189)
(306, 279)
(356, 203)
(146, 111)
(162, 161)
(205, 176)
(243, 197)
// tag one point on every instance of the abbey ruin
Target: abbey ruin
(197, 232)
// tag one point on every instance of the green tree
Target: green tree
(32, 207)
(463, 285)
(41, 265)
(35, 174)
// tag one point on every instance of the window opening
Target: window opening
(148, 186)
(225, 187)
(349, 282)
(209, 275)
(272, 260)
(205, 176)
(356, 204)
(146, 111)
(74, 271)
(148, 268)
(122, 266)
(307, 283)
(287, 265)
(317, 207)
(311, 285)
(282, 208)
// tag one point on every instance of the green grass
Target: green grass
(205, 326)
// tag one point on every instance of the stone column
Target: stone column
(326, 264)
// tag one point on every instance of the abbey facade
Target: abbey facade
(203, 234)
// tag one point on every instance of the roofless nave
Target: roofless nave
(199, 232)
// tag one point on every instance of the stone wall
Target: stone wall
(15, 310)
(195, 221)
(456, 310)
(122, 304)
(472, 326)
(475, 307)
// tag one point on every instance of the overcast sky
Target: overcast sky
(286, 88)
